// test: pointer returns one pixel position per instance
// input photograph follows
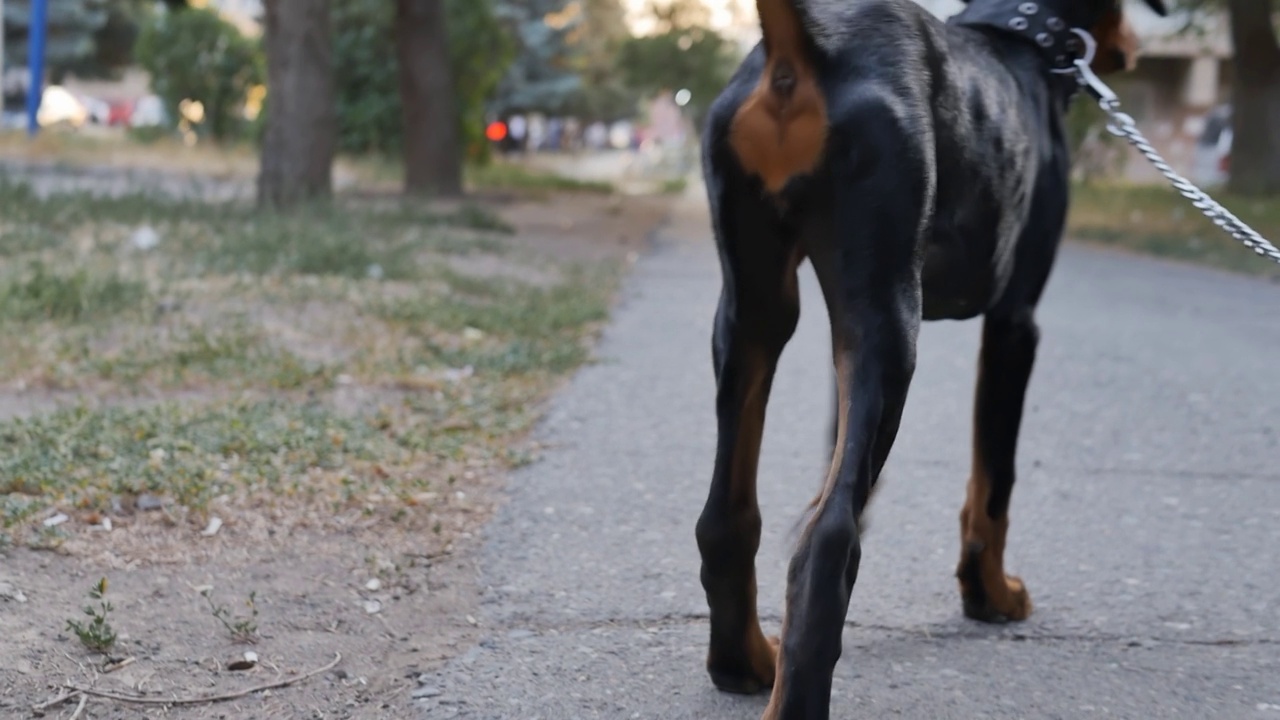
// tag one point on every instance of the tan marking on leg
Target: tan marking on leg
(982, 541)
(761, 651)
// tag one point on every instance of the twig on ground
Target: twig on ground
(337, 657)
(116, 666)
(55, 701)
(84, 699)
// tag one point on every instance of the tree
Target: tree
(542, 77)
(196, 55)
(432, 147)
(683, 53)
(1255, 153)
(602, 95)
(301, 128)
(71, 30)
(366, 71)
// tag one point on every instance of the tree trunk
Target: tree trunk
(432, 142)
(301, 132)
(1255, 151)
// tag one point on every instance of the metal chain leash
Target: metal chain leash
(1123, 125)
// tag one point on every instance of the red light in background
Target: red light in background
(496, 131)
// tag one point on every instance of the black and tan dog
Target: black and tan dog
(922, 168)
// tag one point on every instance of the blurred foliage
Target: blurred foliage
(683, 53)
(367, 82)
(88, 38)
(602, 94)
(1095, 153)
(195, 54)
(548, 37)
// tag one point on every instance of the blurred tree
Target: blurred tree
(365, 78)
(196, 55)
(365, 70)
(1255, 152)
(602, 95)
(683, 53)
(301, 127)
(432, 147)
(72, 33)
(542, 76)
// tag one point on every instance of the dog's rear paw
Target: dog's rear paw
(1010, 603)
(747, 674)
(989, 595)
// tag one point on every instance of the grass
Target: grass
(210, 346)
(83, 459)
(78, 296)
(505, 176)
(1156, 220)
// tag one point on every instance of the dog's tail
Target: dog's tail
(785, 26)
(780, 131)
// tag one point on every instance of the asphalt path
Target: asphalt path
(1146, 519)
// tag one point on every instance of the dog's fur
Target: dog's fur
(922, 168)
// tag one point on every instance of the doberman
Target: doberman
(922, 168)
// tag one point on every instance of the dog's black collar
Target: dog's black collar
(1039, 25)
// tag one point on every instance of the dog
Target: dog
(922, 168)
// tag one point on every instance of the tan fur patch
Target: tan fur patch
(978, 531)
(780, 131)
(1118, 44)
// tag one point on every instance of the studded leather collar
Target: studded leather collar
(1039, 25)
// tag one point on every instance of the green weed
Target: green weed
(241, 629)
(96, 634)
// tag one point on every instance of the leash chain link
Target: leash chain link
(1123, 125)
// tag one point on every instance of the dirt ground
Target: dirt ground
(392, 602)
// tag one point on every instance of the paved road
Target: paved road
(1146, 521)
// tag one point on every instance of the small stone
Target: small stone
(56, 520)
(147, 501)
(521, 634)
(9, 592)
(426, 691)
(372, 607)
(215, 524)
(373, 585)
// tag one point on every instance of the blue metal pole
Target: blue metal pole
(35, 61)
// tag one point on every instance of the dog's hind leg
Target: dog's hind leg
(758, 311)
(1004, 368)
(870, 277)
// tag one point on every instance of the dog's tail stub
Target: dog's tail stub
(780, 131)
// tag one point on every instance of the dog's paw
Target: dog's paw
(749, 674)
(1007, 603)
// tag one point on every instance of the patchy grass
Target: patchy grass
(352, 357)
(78, 296)
(505, 176)
(85, 459)
(1156, 220)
